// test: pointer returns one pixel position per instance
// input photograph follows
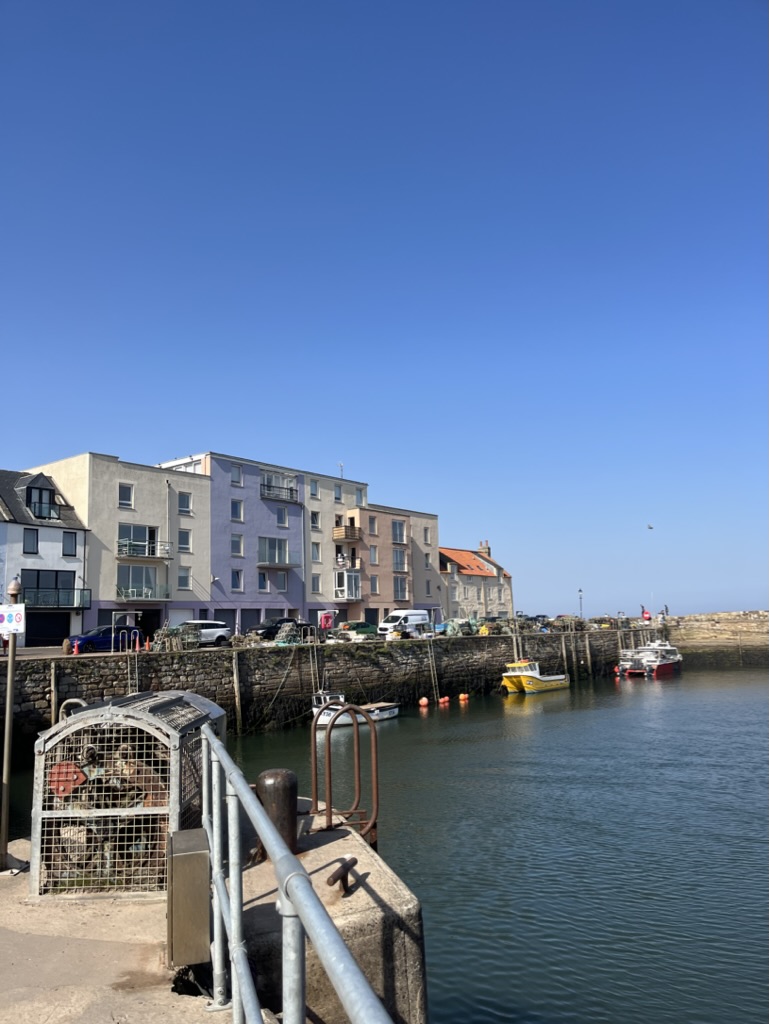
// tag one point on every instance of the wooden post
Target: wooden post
(574, 662)
(587, 655)
(54, 695)
(236, 691)
(563, 652)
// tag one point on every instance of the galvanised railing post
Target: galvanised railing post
(217, 872)
(293, 963)
(235, 875)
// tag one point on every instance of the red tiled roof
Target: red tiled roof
(471, 563)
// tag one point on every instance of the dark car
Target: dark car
(268, 629)
(105, 638)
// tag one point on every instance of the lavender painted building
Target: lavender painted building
(257, 538)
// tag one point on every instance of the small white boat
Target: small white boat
(524, 676)
(655, 659)
(325, 705)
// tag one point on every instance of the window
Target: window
(399, 531)
(427, 561)
(184, 540)
(236, 579)
(465, 592)
(315, 551)
(358, 495)
(315, 520)
(236, 475)
(236, 510)
(373, 554)
(478, 593)
(374, 584)
(184, 578)
(41, 501)
(273, 551)
(400, 591)
(125, 495)
(281, 580)
(337, 492)
(185, 503)
(427, 587)
(281, 514)
(313, 488)
(426, 534)
(136, 581)
(372, 524)
(399, 559)
(262, 582)
(236, 545)
(315, 583)
(30, 542)
(69, 542)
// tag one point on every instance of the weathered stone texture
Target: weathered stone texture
(275, 683)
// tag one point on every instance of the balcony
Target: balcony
(280, 493)
(279, 560)
(77, 597)
(342, 533)
(145, 549)
(160, 592)
(346, 562)
(44, 510)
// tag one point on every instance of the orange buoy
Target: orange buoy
(423, 702)
(444, 700)
(464, 696)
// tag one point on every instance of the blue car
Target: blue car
(104, 638)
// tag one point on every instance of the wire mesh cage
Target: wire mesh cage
(111, 782)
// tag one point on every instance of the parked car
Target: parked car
(367, 628)
(268, 629)
(105, 638)
(211, 631)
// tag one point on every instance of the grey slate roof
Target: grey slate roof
(13, 501)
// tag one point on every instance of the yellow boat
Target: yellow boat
(523, 676)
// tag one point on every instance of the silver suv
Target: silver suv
(211, 632)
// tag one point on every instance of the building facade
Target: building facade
(473, 585)
(147, 559)
(43, 543)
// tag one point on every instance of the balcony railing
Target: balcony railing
(160, 592)
(341, 533)
(281, 493)
(145, 549)
(346, 562)
(289, 560)
(44, 510)
(75, 597)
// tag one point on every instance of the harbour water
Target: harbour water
(585, 856)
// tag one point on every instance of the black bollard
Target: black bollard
(277, 790)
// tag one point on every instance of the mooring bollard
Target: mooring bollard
(277, 790)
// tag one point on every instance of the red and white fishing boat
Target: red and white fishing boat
(655, 659)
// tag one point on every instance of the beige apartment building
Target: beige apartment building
(147, 555)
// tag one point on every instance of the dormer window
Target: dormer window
(41, 501)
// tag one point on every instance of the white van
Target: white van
(407, 620)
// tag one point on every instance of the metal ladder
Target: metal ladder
(433, 669)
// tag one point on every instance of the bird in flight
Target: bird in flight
(649, 526)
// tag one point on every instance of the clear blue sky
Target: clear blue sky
(505, 260)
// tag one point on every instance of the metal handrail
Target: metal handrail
(298, 904)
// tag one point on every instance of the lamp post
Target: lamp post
(13, 591)
(580, 601)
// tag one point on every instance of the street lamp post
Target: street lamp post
(13, 591)
(580, 601)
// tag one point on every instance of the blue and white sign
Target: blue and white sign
(13, 618)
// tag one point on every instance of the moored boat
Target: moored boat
(524, 676)
(326, 704)
(655, 659)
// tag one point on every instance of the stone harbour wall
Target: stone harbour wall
(270, 687)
